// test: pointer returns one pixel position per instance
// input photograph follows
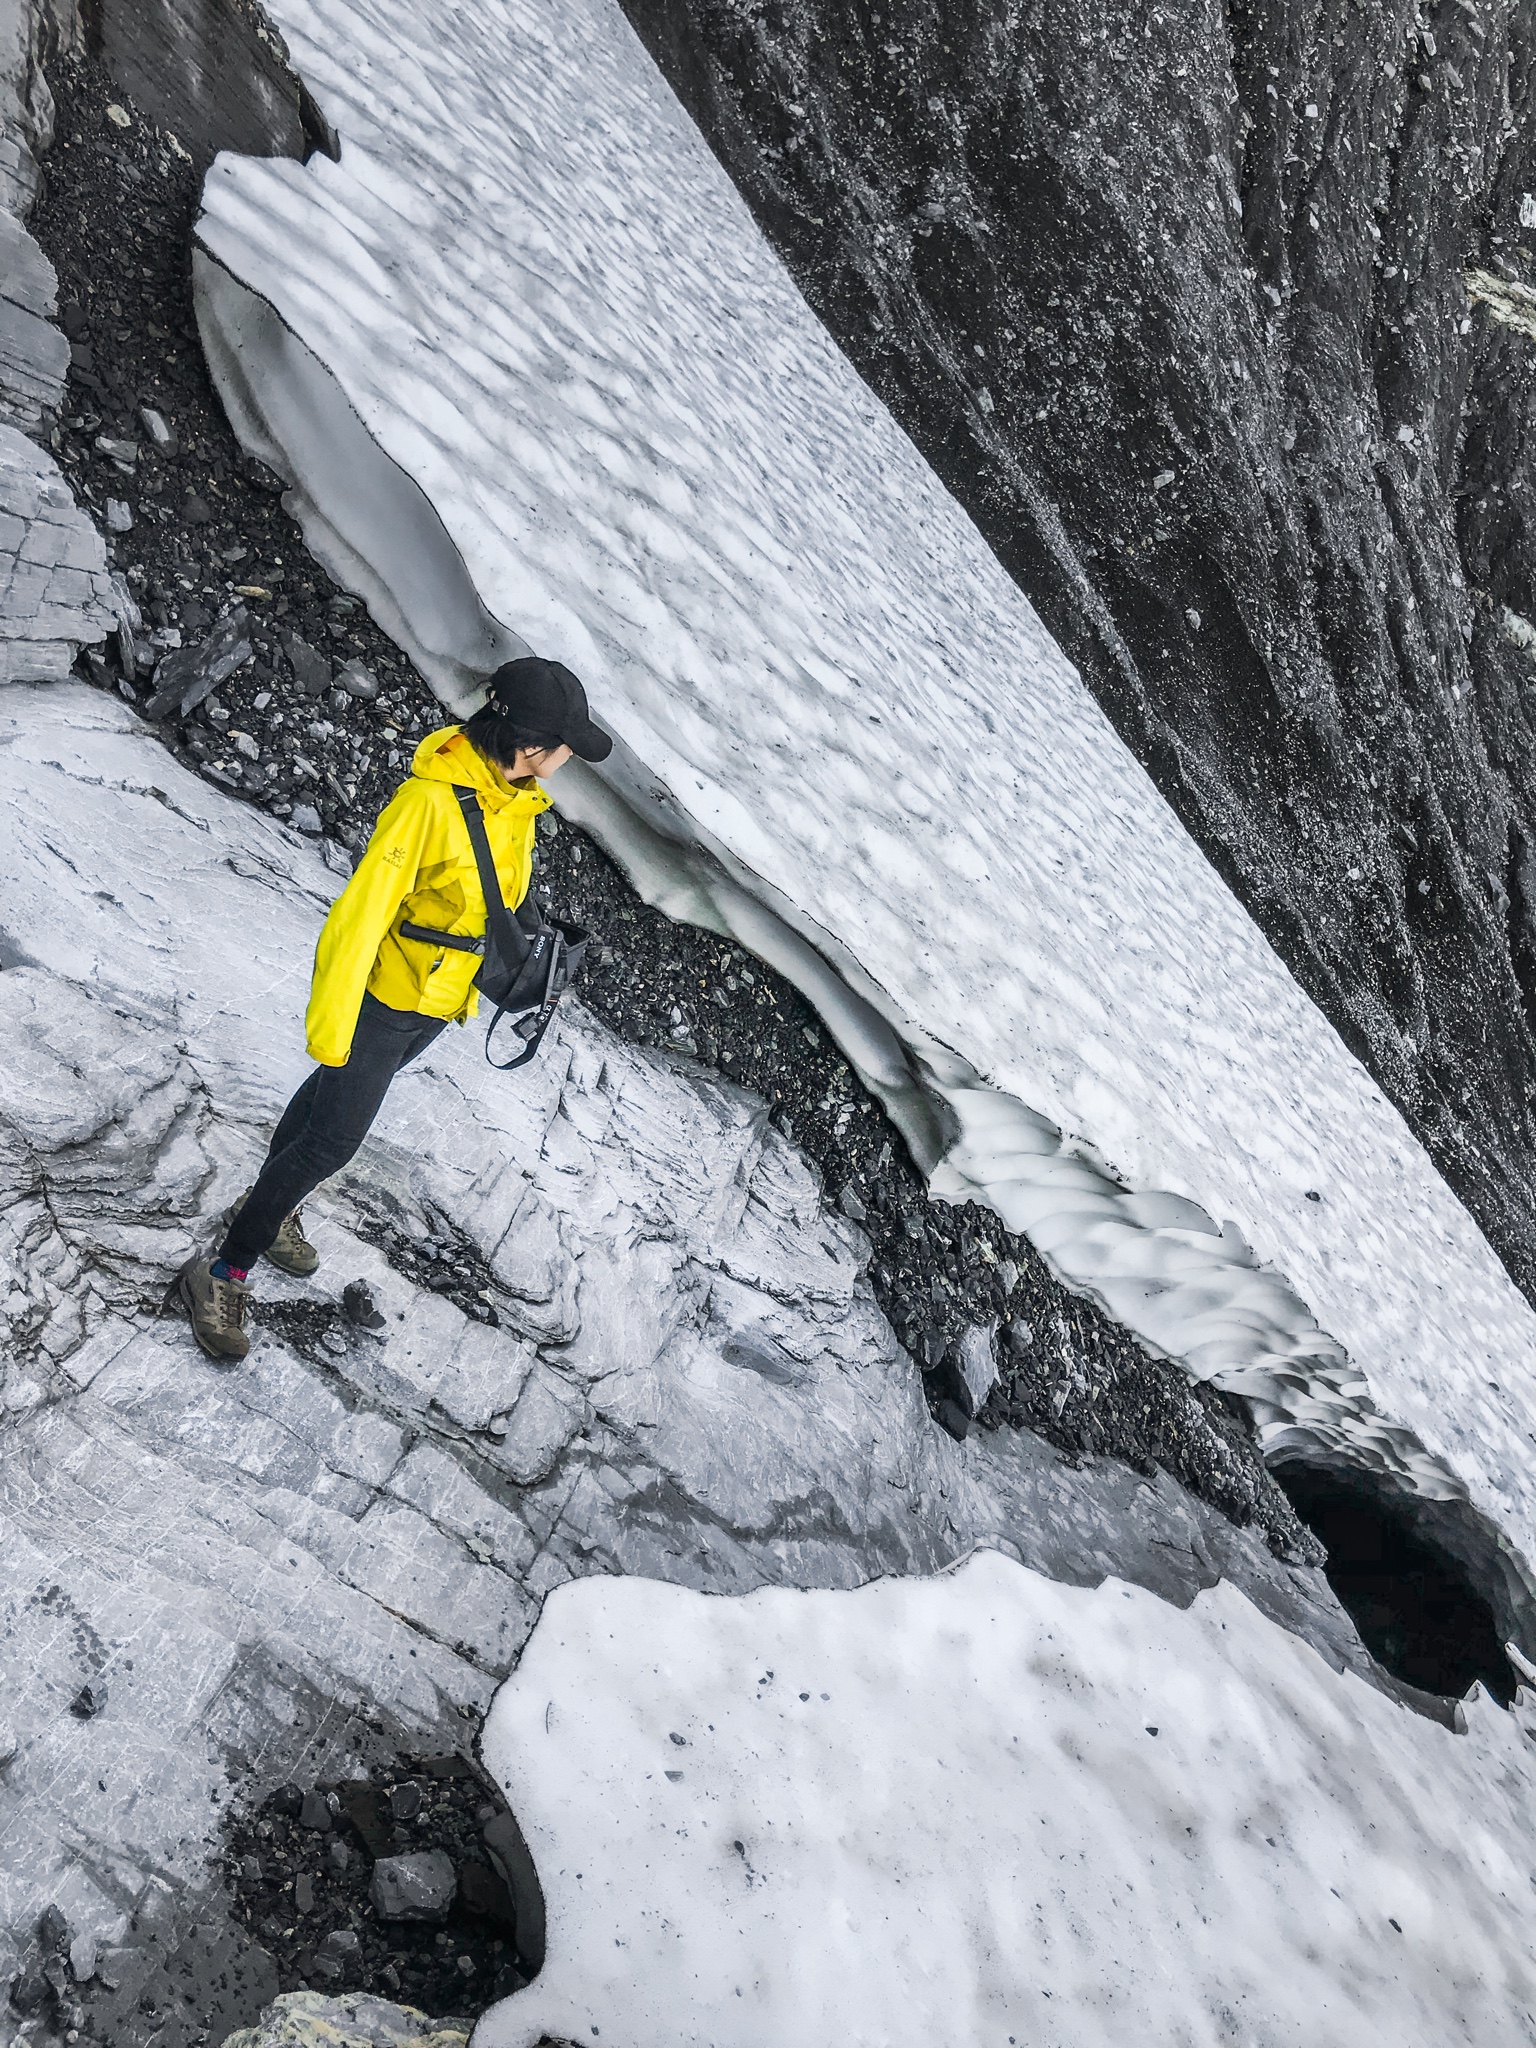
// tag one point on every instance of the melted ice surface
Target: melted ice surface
(987, 1808)
(540, 296)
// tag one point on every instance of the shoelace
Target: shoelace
(230, 1302)
(294, 1223)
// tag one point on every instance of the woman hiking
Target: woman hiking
(379, 996)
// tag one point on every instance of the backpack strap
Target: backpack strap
(490, 881)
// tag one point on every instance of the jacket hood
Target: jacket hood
(447, 756)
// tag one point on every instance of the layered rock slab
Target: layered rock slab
(55, 590)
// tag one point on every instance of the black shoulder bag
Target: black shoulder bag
(528, 961)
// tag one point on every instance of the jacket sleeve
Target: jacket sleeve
(359, 919)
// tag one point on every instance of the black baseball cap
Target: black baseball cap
(543, 696)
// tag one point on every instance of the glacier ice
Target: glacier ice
(985, 1808)
(529, 288)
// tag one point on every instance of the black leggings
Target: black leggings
(325, 1123)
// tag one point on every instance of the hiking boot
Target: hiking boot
(289, 1251)
(218, 1310)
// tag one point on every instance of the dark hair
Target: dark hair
(500, 738)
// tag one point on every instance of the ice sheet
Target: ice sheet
(986, 1809)
(534, 290)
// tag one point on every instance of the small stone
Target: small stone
(305, 818)
(119, 116)
(89, 1701)
(82, 1957)
(304, 1892)
(112, 1967)
(336, 857)
(419, 1886)
(359, 1306)
(257, 473)
(1192, 619)
(119, 517)
(848, 1201)
(365, 1810)
(196, 512)
(1020, 1334)
(288, 1800)
(977, 1366)
(312, 669)
(154, 425)
(29, 1990)
(250, 1869)
(53, 1929)
(184, 679)
(404, 1799)
(339, 1857)
(343, 1943)
(124, 453)
(315, 1813)
(245, 745)
(357, 682)
(326, 1970)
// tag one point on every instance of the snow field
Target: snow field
(987, 1809)
(536, 293)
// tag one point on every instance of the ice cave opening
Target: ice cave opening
(1422, 1580)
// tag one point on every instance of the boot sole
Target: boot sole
(218, 1357)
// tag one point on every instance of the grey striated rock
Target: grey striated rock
(55, 596)
(34, 356)
(32, 33)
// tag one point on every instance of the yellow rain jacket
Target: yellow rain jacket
(419, 868)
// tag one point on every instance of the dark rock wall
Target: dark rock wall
(1173, 299)
(212, 72)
